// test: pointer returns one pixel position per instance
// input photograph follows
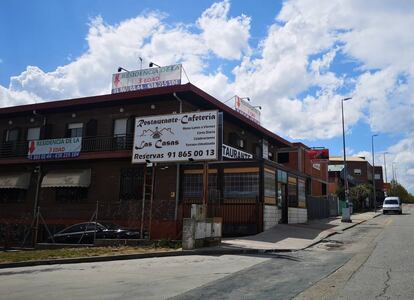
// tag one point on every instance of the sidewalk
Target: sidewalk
(293, 237)
(280, 238)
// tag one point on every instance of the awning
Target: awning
(15, 181)
(67, 178)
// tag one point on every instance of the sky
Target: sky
(296, 58)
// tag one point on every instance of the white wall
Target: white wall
(271, 216)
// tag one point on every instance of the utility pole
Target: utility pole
(373, 172)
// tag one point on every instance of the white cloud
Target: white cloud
(227, 38)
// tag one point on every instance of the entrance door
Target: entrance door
(283, 202)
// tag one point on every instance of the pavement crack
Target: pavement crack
(386, 285)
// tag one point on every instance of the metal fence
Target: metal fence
(321, 207)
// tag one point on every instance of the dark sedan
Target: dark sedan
(84, 233)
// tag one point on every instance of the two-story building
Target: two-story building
(251, 184)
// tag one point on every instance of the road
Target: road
(370, 261)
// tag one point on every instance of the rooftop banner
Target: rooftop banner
(146, 79)
(55, 148)
(247, 110)
(177, 137)
(316, 155)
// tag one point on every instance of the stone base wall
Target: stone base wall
(297, 215)
(271, 216)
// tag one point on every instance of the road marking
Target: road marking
(389, 221)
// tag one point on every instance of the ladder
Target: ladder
(147, 199)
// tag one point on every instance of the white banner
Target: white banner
(233, 153)
(177, 137)
(247, 110)
(56, 148)
(146, 79)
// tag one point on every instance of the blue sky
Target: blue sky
(296, 59)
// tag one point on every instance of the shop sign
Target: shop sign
(177, 137)
(247, 110)
(233, 153)
(146, 79)
(55, 148)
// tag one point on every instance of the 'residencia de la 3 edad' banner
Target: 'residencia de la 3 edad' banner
(176, 137)
(54, 148)
(146, 79)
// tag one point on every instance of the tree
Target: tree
(359, 193)
(399, 191)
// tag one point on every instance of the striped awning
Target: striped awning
(15, 181)
(67, 178)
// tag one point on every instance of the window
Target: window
(236, 141)
(377, 176)
(33, 133)
(357, 171)
(192, 186)
(75, 130)
(12, 195)
(269, 183)
(71, 194)
(283, 157)
(120, 127)
(292, 191)
(241, 187)
(12, 135)
(132, 184)
(323, 189)
(301, 194)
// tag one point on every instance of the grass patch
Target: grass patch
(29, 255)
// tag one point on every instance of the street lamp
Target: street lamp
(373, 171)
(346, 217)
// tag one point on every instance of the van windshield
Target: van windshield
(391, 202)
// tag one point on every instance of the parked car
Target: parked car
(392, 204)
(83, 233)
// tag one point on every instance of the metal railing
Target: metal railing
(89, 144)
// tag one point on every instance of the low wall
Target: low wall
(200, 233)
(271, 216)
(297, 215)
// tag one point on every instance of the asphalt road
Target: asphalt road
(368, 261)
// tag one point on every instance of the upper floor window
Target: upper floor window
(75, 129)
(377, 176)
(357, 172)
(12, 135)
(33, 133)
(283, 157)
(120, 127)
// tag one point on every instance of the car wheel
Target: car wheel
(384, 212)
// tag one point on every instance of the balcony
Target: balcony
(89, 144)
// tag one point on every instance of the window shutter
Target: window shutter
(4, 135)
(92, 127)
(130, 125)
(46, 131)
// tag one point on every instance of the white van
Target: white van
(392, 204)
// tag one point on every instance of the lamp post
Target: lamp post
(346, 217)
(373, 171)
(385, 167)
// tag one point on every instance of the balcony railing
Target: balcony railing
(89, 144)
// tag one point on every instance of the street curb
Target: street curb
(338, 231)
(238, 251)
(133, 256)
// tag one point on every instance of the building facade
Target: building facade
(258, 180)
